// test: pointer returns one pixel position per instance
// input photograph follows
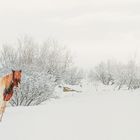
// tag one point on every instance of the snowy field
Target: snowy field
(90, 115)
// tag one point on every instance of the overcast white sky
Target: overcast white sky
(93, 30)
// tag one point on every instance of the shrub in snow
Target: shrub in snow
(35, 88)
(102, 73)
(73, 76)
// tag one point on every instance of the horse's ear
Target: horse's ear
(20, 71)
(13, 71)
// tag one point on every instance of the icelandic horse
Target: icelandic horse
(7, 84)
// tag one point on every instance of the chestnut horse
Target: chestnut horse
(7, 84)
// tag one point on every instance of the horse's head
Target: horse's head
(16, 77)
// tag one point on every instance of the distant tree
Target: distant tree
(120, 75)
(73, 76)
(55, 59)
(103, 73)
(133, 79)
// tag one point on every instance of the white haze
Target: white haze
(93, 30)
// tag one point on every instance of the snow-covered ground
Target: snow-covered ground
(90, 115)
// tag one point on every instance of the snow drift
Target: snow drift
(77, 117)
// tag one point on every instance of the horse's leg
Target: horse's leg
(1, 107)
(1, 98)
(4, 106)
(3, 110)
(1, 102)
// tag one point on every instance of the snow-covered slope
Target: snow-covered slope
(80, 117)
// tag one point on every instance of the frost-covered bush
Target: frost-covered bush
(127, 75)
(103, 73)
(73, 76)
(132, 75)
(35, 88)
